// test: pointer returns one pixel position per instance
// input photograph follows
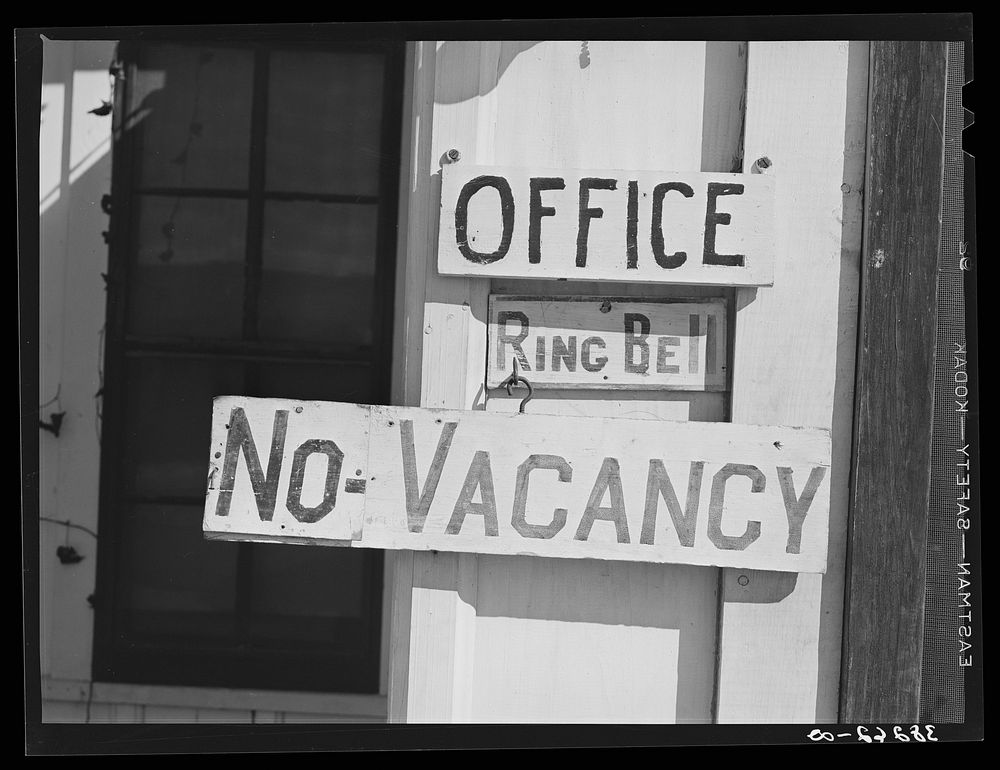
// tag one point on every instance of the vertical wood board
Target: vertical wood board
(779, 634)
(429, 616)
(895, 397)
(678, 627)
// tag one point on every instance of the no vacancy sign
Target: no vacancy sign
(607, 225)
(352, 475)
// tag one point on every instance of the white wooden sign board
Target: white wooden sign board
(608, 342)
(718, 494)
(637, 226)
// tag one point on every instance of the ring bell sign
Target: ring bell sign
(639, 226)
(715, 494)
(608, 342)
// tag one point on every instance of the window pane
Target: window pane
(323, 122)
(169, 419)
(208, 313)
(190, 116)
(178, 583)
(306, 592)
(319, 382)
(319, 269)
(188, 275)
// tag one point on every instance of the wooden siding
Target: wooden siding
(895, 396)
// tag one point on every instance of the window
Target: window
(252, 250)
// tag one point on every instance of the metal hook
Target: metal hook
(513, 380)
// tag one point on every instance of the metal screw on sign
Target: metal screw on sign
(454, 155)
(513, 380)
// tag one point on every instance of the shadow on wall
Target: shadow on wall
(454, 55)
(74, 130)
(74, 173)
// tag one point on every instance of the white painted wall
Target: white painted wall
(489, 638)
(779, 645)
(507, 638)
(74, 171)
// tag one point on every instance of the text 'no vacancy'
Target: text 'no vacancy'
(574, 487)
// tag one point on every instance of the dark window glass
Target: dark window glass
(301, 593)
(322, 124)
(301, 275)
(189, 113)
(252, 246)
(314, 382)
(187, 277)
(179, 585)
(168, 412)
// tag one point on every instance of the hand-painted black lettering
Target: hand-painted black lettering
(540, 354)
(587, 213)
(632, 228)
(518, 516)
(471, 187)
(265, 489)
(355, 486)
(710, 337)
(503, 338)
(657, 485)
(561, 352)
(418, 503)
(537, 211)
(609, 477)
(480, 475)
(796, 508)
(694, 342)
(596, 364)
(678, 258)
(633, 341)
(752, 531)
(335, 461)
(714, 218)
(663, 353)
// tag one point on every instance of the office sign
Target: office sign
(608, 342)
(716, 494)
(638, 226)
